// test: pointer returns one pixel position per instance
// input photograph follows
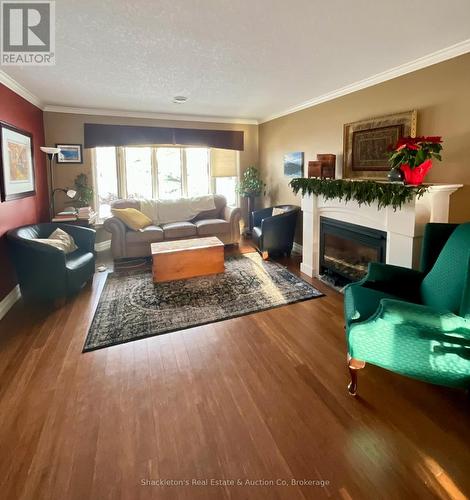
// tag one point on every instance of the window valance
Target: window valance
(100, 135)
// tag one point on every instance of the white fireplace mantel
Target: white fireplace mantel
(404, 227)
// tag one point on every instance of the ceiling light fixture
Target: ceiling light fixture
(179, 99)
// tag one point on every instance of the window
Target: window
(161, 172)
(226, 187)
(224, 170)
(169, 173)
(106, 180)
(197, 171)
(138, 163)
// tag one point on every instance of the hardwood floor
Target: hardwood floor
(259, 398)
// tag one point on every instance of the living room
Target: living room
(234, 262)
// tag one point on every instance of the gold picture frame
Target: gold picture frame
(365, 143)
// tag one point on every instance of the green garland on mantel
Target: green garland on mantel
(386, 194)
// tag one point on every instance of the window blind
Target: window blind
(101, 135)
(224, 163)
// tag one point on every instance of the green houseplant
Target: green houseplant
(84, 195)
(250, 186)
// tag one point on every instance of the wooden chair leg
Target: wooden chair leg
(353, 366)
(352, 386)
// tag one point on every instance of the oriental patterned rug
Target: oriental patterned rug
(132, 307)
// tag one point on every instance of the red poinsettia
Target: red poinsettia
(413, 156)
(411, 152)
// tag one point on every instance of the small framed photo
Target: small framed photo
(294, 164)
(69, 153)
(16, 163)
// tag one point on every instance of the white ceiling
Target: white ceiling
(247, 59)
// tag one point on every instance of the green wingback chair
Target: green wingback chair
(416, 323)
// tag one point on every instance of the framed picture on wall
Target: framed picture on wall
(69, 153)
(294, 164)
(17, 164)
(366, 143)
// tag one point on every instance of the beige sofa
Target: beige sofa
(223, 222)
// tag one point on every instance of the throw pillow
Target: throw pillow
(278, 211)
(61, 240)
(134, 219)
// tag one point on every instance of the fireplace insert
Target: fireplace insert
(346, 250)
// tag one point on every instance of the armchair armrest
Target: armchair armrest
(114, 225)
(388, 272)
(258, 215)
(118, 230)
(84, 237)
(395, 280)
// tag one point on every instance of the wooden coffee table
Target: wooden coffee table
(181, 259)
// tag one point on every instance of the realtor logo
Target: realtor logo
(28, 33)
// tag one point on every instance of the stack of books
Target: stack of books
(86, 214)
(65, 216)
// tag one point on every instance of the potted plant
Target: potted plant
(250, 186)
(412, 157)
(84, 194)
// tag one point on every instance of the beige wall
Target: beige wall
(440, 93)
(67, 128)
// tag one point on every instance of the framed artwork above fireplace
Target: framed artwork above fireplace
(366, 142)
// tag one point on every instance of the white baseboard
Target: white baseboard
(297, 248)
(9, 301)
(306, 269)
(103, 245)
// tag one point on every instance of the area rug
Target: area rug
(132, 307)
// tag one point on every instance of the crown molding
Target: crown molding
(423, 62)
(436, 57)
(146, 115)
(13, 85)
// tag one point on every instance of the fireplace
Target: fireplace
(346, 250)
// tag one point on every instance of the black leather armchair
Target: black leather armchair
(45, 272)
(275, 234)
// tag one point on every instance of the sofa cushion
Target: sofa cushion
(179, 230)
(220, 203)
(61, 240)
(210, 227)
(149, 234)
(132, 218)
(279, 211)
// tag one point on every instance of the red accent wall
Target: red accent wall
(18, 112)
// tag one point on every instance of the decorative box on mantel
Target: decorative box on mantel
(404, 227)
